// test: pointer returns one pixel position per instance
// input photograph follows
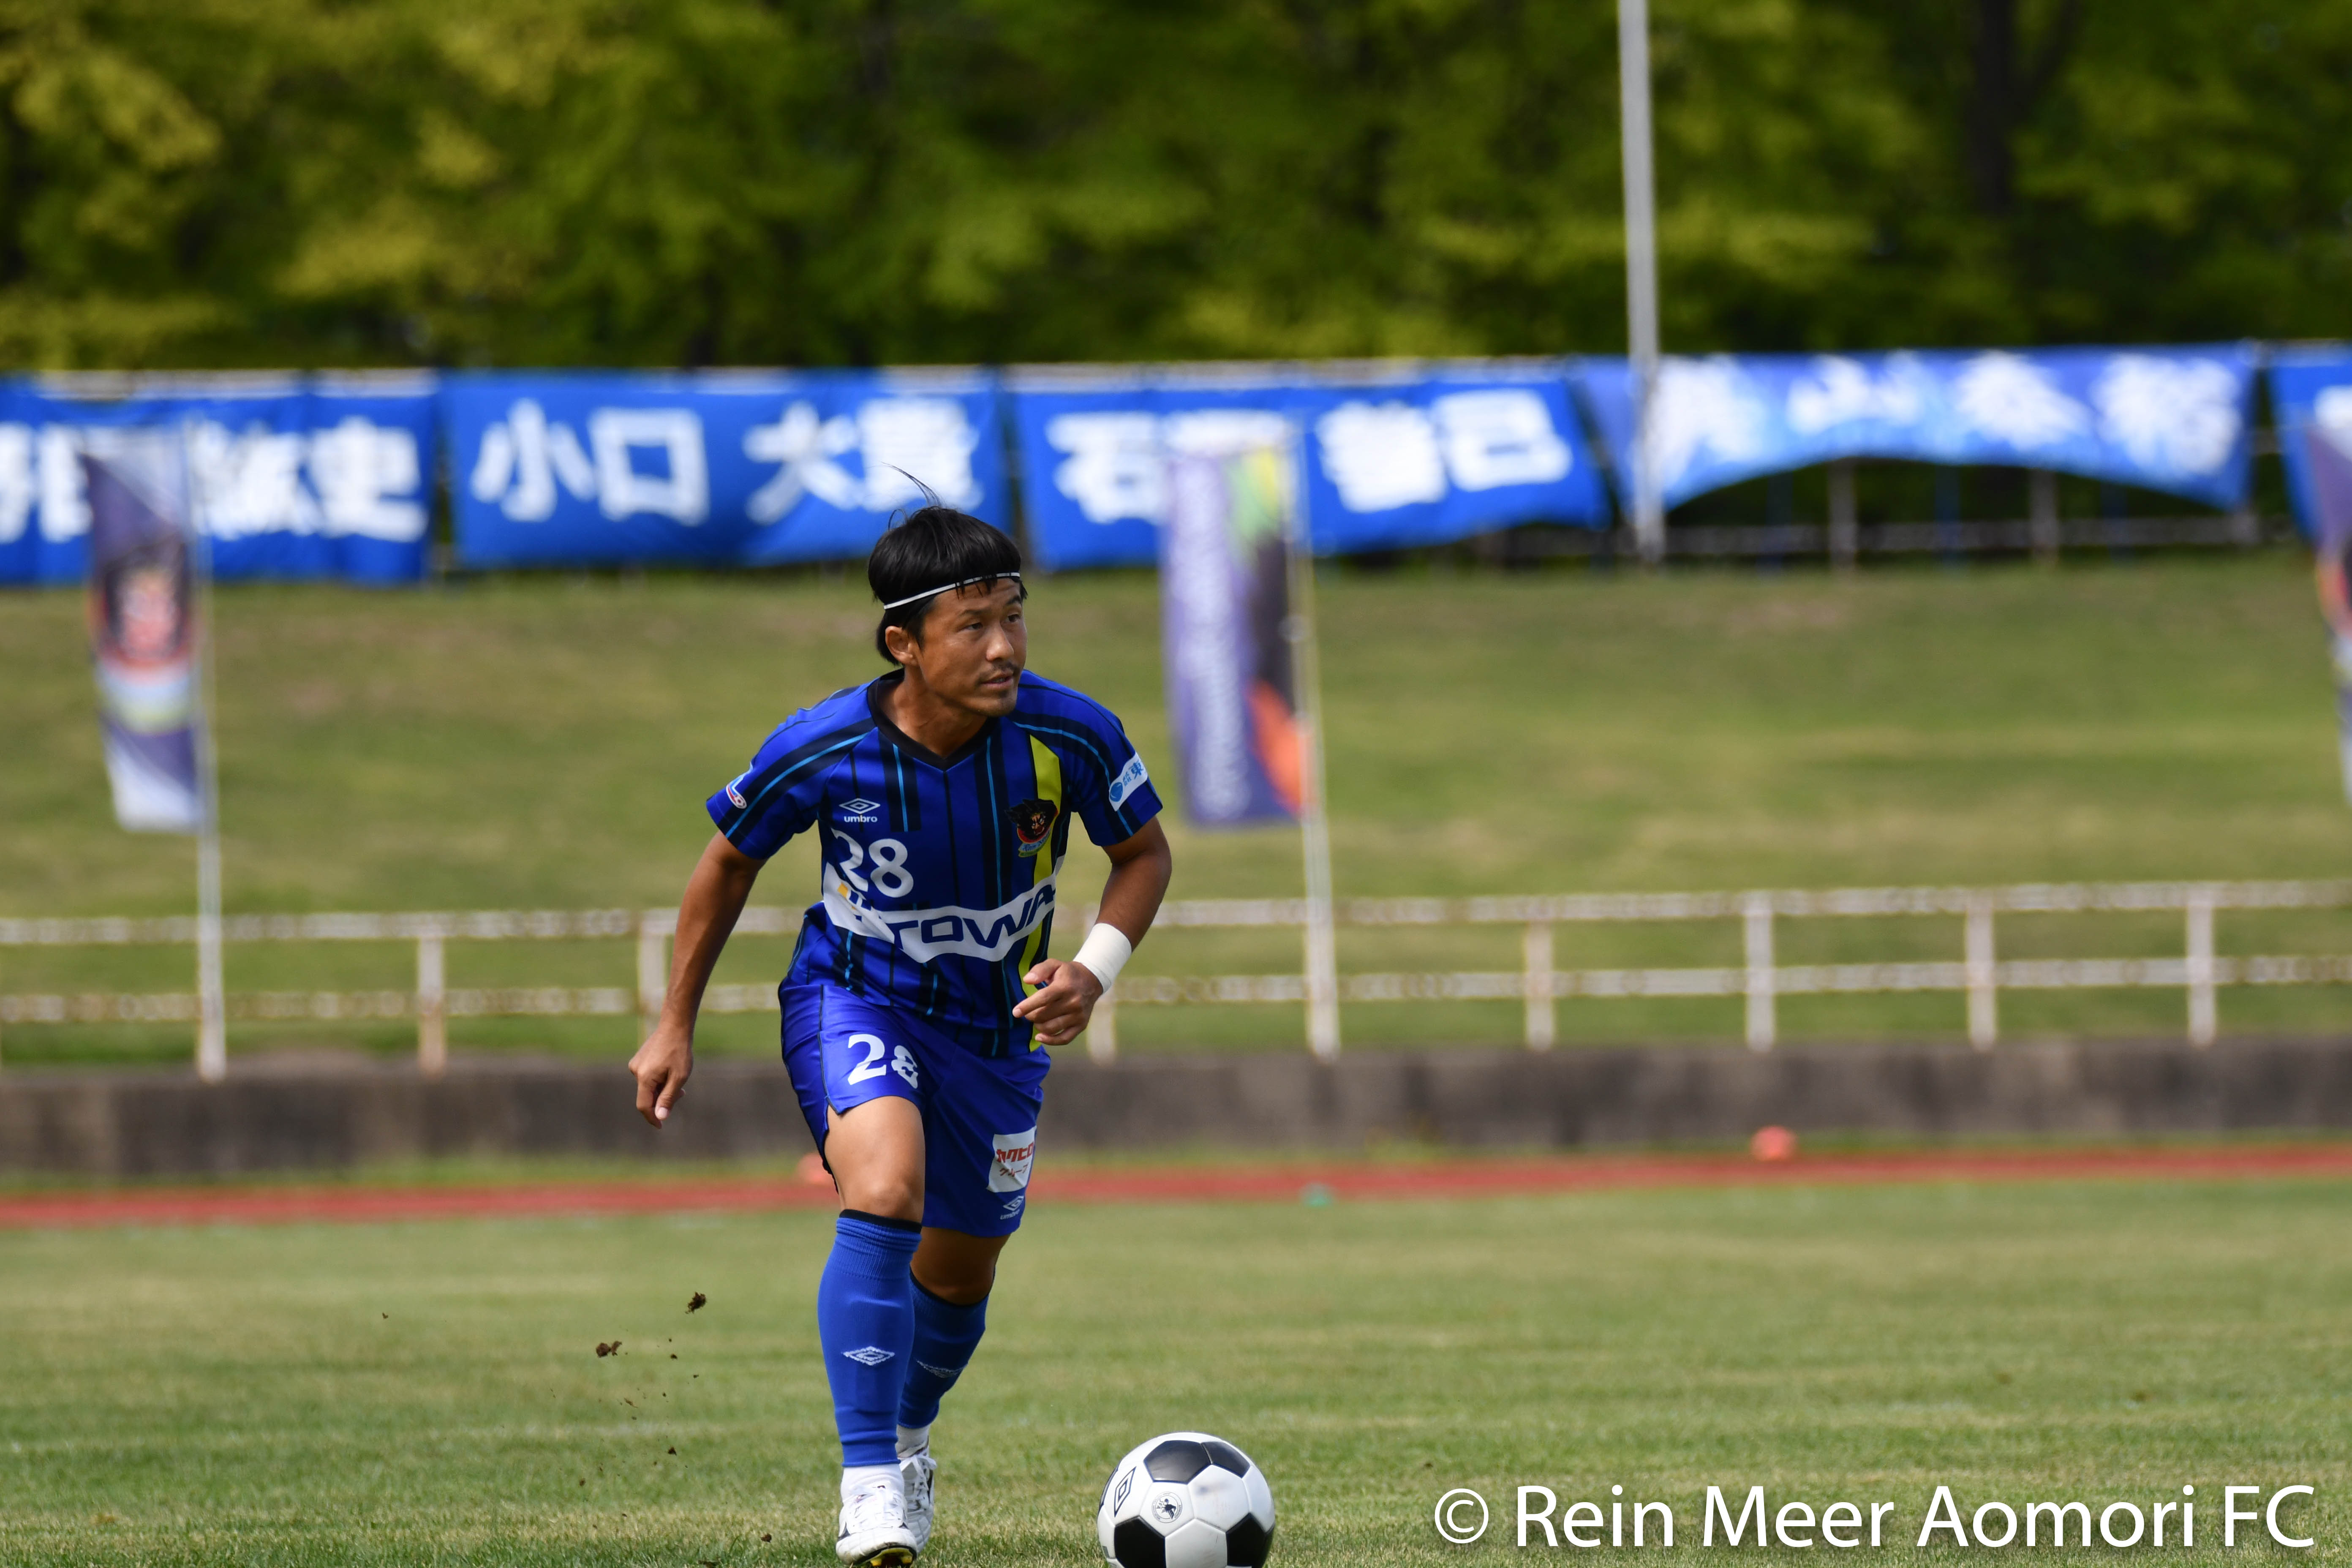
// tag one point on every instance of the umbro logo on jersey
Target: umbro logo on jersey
(872, 1355)
(860, 810)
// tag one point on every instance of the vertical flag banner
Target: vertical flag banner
(143, 629)
(2329, 476)
(2311, 401)
(2311, 396)
(1226, 603)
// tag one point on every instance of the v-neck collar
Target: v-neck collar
(906, 742)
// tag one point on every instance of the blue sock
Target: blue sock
(866, 1321)
(945, 1337)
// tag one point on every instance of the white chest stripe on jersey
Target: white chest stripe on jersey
(924, 934)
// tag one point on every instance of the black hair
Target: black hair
(934, 547)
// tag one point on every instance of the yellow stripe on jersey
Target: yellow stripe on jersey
(1049, 789)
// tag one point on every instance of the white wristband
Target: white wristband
(1105, 953)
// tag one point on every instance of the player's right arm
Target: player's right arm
(715, 896)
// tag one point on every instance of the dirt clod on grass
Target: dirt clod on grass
(697, 1303)
(604, 1349)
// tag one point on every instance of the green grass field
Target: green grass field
(547, 742)
(428, 1394)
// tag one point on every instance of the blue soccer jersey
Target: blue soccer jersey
(936, 874)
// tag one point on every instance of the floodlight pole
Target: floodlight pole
(1315, 828)
(212, 1013)
(1641, 270)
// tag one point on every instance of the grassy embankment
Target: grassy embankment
(546, 743)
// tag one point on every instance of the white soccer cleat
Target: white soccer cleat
(915, 1473)
(874, 1528)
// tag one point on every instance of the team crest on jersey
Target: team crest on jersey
(1031, 820)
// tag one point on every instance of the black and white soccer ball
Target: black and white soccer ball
(1186, 1500)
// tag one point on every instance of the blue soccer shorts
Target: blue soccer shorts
(979, 1114)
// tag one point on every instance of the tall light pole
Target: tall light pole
(1641, 268)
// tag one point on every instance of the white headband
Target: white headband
(951, 587)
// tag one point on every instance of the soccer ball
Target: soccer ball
(1186, 1500)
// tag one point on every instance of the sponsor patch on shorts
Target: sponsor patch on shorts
(1008, 1168)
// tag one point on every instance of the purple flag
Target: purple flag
(2331, 494)
(143, 631)
(1226, 604)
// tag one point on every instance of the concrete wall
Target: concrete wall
(160, 1124)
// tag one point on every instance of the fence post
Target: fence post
(2042, 489)
(1763, 1025)
(1844, 535)
(1984, 1006)
(432, 1004)
(1535, 951)
(2245, 523)
(2201, 1009)
(653, 968)
(1102, 1029)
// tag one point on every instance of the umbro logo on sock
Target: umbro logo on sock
(948, 1371)
(872, 1355)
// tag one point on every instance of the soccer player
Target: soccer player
(920, 993)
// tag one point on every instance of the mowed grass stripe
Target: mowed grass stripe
(429, 1391)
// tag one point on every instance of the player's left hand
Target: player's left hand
(1063, 1003)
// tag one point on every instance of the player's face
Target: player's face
(975, 644)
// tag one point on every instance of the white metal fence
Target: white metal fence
(1977, 970)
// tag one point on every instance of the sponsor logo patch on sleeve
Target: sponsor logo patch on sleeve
(1008, 1167)
(735, 791)
(1131, 778)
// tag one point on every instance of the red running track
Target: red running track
(1235, 1182)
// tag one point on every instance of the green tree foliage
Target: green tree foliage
(552, 181)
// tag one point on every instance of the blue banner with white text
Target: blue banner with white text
(1397, 455)
(719, 468)
(288, 476)
(2178, 420)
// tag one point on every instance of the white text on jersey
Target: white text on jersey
(924, 934)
